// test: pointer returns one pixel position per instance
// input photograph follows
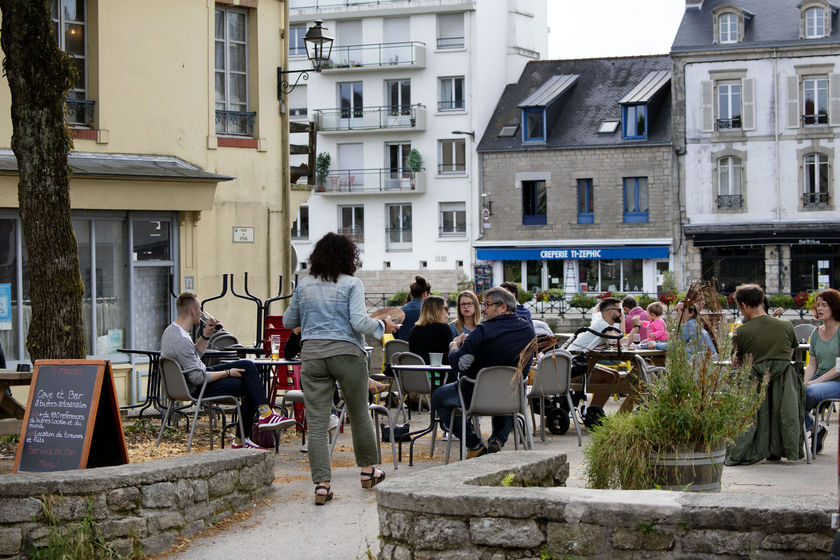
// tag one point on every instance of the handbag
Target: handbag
(400, 432)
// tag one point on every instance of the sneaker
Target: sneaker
(275, 421)
(477, 452)
(247, 444)
(494, 445)
(304, 447)
(821, 433)
(449, 436)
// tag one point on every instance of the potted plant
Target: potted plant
(677, 438)
(322, 167)
(415, 161)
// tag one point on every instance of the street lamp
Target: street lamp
(470, 133)
(318, 51)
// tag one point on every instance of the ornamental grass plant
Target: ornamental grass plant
(697, 404)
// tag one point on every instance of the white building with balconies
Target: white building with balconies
(406, 75)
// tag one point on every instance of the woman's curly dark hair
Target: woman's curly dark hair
(332, 256)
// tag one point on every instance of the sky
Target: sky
(624, 27)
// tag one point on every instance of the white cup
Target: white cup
(435, 358)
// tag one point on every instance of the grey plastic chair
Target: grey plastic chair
(803, 331)
(497, 391)
(392, 347)
(647, 372)
(553, 379)
(420, 383)
(176, 389)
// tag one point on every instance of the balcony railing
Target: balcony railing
(372, 118)
(816, 199)
(378, 55)
(726, 124)
(459, 230)
(369, 181)
(729, 201)
(818, 118)
(80, 111)
(235, 123)
(316, 4)
(357, 234)
(450, 42)
(446, 168)
(398, 239)
(451, 105)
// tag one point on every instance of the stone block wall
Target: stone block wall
(391, 281)
(462, 512)
(153, 502)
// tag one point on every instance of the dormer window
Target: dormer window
(815, 19)
(634, 118)
(541, 107)
(641, 103)
(728, 28)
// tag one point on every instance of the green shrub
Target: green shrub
(644, 300)
(784, 301)
(524, 296)
(582, 301)
(399, 298)
(322, 165)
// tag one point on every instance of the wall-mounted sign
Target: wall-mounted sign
(810, 242)
(485, 213)
(570, 253)
(243, 235)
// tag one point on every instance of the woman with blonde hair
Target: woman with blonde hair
(467, 313)
(431, 332)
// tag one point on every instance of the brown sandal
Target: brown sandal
(321, 499)
(371, 479)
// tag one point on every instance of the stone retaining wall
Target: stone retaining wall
(462, 512)
(153, 502)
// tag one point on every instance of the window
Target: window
(453, 219)
(635, 122)
(816, 180)
(232, 115)
(351, 221)
(398, 93)
(350, 100)
(728, 27)
(69, 25)
(453, 156)
(815, 100)
(608, 127)
(533, 125)
(729, 105)
(815, 23)
(730, 178)
(586, 209)
(450, 31)
(296, 45)
(298, 108)
(398, 232)
(533, 203)
(300, 229)
(451, 96)
(635, 199)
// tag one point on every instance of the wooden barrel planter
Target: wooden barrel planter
(691, 469)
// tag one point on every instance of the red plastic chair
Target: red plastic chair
(285, 378)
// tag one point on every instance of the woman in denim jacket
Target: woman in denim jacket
(329, 305)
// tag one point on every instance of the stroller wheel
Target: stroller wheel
(557, 420)
(593, 416)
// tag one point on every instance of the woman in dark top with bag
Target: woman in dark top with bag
(431, 333)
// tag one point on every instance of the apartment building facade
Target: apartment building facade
(757, 117)
(179, 172)
(406, 77)
(578, 177)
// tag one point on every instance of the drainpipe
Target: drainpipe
(779, 258)
(776, 134)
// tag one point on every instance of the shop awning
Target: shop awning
(764, 234)
(570, 253)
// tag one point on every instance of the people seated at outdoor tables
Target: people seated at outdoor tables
(610, 316)
(656, 327)
(239, 378)
(420, 289)
(822, 380)
(431, 333)
(496, 341)
(329, 306)
(521, 310)
(467, 313)
(769, 342)
(634, 315)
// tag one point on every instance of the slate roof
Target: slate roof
(774, 23)
(89, 164)
(592, 99)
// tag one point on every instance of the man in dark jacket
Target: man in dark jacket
(520, 309)
(496, 341)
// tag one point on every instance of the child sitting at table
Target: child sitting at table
(657, 330)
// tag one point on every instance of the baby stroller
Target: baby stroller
(557, 413)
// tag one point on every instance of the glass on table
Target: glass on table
(275, 346)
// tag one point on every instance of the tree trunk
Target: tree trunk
(39, 76)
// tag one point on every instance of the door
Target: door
(350, 174)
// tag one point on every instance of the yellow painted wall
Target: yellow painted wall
(151, 73)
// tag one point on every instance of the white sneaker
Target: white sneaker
(304, 448)
(448, 436)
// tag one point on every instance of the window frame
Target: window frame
(625, 121)
(355, 229)
(453, 167)
(453, 103)
(459, 226)
(532, 191)
(228, 106)
(59, 22)
(820, 82)
(298, 233)
(731, 18)
(525, 133)
(450, 43)
(636, 215)
(403, 108)
(405, 229)
(823, 31)
(585, 202)
(732, 122)
(812, 195)
(296, 33)
(352, 111)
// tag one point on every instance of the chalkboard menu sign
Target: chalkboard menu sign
(72, 418)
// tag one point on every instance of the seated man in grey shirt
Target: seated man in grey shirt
(239, 378)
